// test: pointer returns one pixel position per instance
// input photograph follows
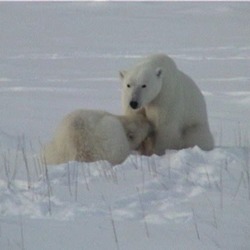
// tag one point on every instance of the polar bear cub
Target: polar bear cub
(171, 101)
(91, 135)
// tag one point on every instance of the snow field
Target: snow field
(58, 57)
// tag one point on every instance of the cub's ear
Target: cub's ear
(158, 72)
(142, 112)
(122, 74)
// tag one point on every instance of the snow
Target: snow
(58, 57)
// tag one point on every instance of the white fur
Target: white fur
(90, 135)
(171, 101)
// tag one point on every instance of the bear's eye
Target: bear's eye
(130, 136)
(128, 85)
(144, 86)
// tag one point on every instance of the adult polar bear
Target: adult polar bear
(91, 135)
(171, 101)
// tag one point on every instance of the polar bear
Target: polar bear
(91, 135)
(171, 101)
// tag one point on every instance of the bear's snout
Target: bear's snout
(134, 104)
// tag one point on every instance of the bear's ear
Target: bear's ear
(122, 74)
(158, 72)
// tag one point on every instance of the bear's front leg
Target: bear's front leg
(168, 138)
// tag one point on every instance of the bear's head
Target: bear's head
(137, 129)
(140, 86)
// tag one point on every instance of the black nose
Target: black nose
(133, 104)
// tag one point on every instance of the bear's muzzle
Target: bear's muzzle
(134, 104)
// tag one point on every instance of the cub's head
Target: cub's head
(140, 86)
(137, 129)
